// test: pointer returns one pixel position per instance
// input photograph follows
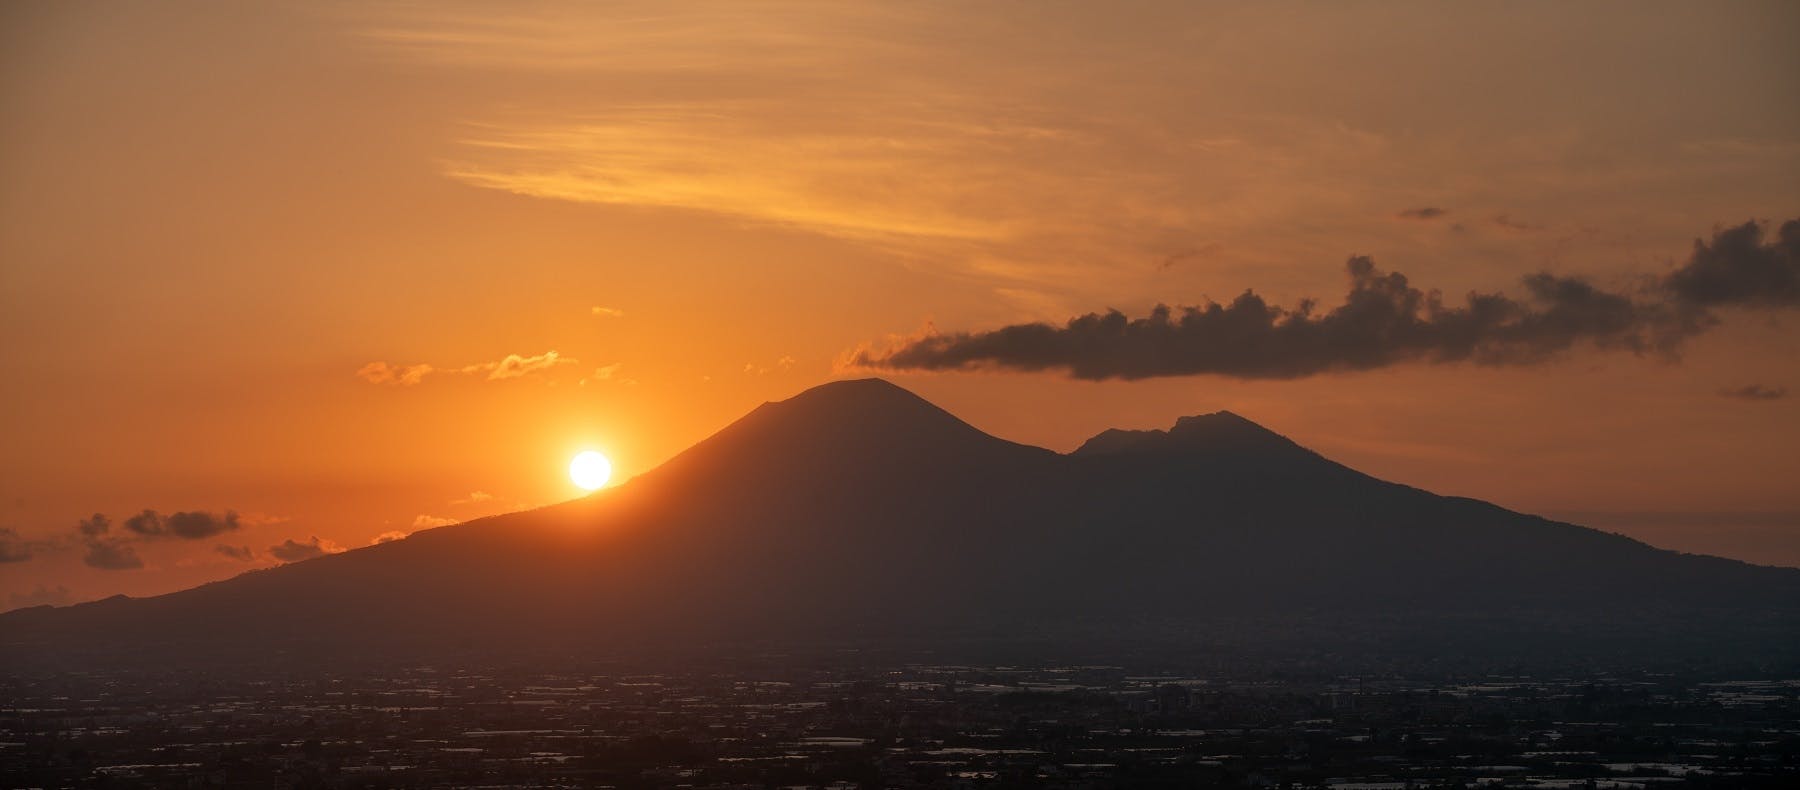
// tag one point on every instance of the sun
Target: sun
(590, 470)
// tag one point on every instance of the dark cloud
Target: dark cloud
(148, 522)
(1206, 250)
(1755, 392)
(12, 547)
(194, 525)
(1384, 320)
(42, 596)
(239, 553)
(1738, 269)
(117, 553)
(1507, 222)
(98, 525)
(112, 555)
(1424, 212)
(291, 550)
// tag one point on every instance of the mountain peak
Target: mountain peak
(867, 401)
(1216, 434)
(869, 391)
(840, 425)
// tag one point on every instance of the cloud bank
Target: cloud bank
(1384, 321)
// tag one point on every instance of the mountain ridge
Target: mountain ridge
(859, 508)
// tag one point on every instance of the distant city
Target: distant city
(849, 721)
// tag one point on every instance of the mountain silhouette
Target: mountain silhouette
(857, 510)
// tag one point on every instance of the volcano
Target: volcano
(858, 511)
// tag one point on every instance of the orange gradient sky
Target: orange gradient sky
(620, 226)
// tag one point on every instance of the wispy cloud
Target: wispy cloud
(427, 521)
(608, 312)
(608, 373)
(780, 365)
(401, 375)
(1029, 153)
(511, 366)
(473, 498)
(1755, 392)
(514, 365)
(1423, 213)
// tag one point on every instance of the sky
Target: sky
(279, 279)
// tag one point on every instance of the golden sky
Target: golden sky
(352, 269)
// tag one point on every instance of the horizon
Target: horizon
(299, 278)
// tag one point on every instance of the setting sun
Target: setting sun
(590, 470)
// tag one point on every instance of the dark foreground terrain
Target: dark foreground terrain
(854, 719)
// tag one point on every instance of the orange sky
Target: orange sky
(214, 215)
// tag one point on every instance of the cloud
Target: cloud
(399, 375)
(514, 366)
(111, 555)
(1423, 213)
(194, 525)
(1383, 321)
(1207, 250)
(474, 496)
(12, 547)
(291, 550)
(103, 552)
(1738, 269)
(782, 364)
(511, 367)
(609, 373)
(239, 553)
(1755, 392)
(1506, 222)
(99, 524)
(388, 537)
(423, 521)
(608, 312)
(42, 596)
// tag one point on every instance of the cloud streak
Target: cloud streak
(1384, 321)
(1755, 392)
(1423, 213)
(512, 366)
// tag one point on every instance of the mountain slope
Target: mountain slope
(857, 509)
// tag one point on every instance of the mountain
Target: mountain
(857, 510)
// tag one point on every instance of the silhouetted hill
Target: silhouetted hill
(857, 510)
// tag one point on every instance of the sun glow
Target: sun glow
(590, 470)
